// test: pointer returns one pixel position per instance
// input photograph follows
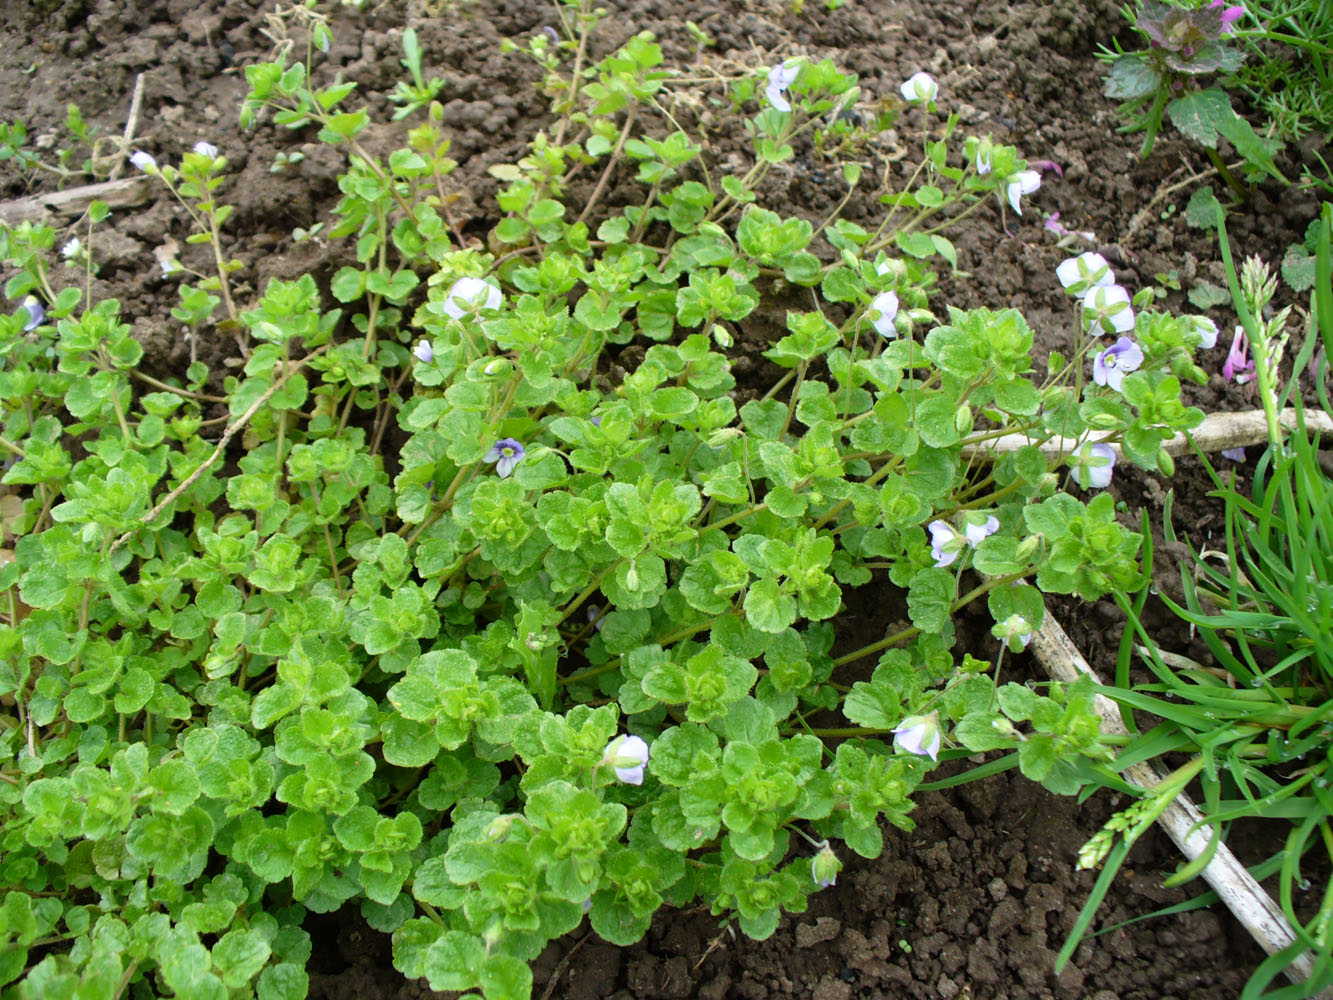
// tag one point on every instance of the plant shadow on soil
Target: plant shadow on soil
(977, 899)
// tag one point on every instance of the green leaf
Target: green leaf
(1201, 113)
(1132, 76)
(1201, 210)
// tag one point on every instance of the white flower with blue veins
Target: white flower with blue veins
(780, 77)
(1086, 271)
(469, 296)
(1093, 465)
(883, 309)
(1107, 308)
(36, 314)
(919, 88)
(1110, 367)
(979, 530)
(1023, 182)
(627, 756)
(919, 735)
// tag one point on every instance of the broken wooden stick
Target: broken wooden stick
(128, 192)
(1218, 432)
(1236, 887)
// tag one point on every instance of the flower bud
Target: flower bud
(1165, 462)
(1103, 421)
(1015, 632)
(1027, 547)
(1003, 727)
(721, 336)
(627, 755)
(498, 830)
(824, 867)
(962, 420)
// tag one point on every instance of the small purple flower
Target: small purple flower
(945, 543)
(1045, 165)
(1113, 364)
(1235, 454)
(886, 305)
(919, 88)
(505, 453)
(1023, 182)
(143, 161)
(36, 314)
(1229, 14)
(1093, 465)
(780, 77)
(1108, 307)
(627, 755)
(920, 735)
(206, 149)
(423, 352)
(1053, 224)
(983, 161)
(1239, 365)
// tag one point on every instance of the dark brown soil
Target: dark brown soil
(975, 902)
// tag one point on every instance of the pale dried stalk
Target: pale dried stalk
(127, 192)
(1218, 432)
(1244, 897)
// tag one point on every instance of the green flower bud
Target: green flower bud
(824, 867)
(498, 830)
(1165, 462)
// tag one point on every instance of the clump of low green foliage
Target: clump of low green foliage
(370, 618)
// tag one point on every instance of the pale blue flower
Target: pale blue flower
(920, 735)
(1206, 329)
(505, 453)
(206, 149)
(1110, 367)
(1086, 271)
(945, 543)
(36, 314)
(977, 532)
(470, 295)
(1023, 182)
(1093, 466)
(882, 310)
(143, 161)
(1235, 454)
(423, 352)
(780, 77)
(919, 88)
(627, 755)
(1107, 307)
